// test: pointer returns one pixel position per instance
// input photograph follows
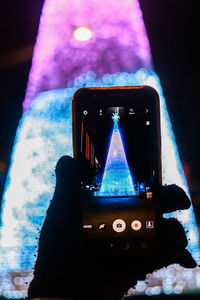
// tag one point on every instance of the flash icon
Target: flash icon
(102, 226)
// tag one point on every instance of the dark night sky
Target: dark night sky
(172, 27)
(173, 30)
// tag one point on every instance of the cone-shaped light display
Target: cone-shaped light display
(108, 48)
(117, 179)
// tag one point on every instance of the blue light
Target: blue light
(117, 179)
(115, 117)
(142, 187)
(43, 136)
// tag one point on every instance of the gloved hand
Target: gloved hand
(67, 268)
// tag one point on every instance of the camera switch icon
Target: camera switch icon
(149, 224)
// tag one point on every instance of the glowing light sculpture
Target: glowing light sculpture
(117, 179)
(115, 53)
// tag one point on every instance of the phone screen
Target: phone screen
(117, 144)
(117, 147)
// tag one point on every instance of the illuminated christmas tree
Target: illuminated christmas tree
(117, 179)
(79, 43)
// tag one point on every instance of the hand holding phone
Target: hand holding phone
(67, 267)
(115, 179)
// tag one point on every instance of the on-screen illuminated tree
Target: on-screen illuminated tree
(117, 179)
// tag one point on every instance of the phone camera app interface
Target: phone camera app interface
(117, 149)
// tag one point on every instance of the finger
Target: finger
(172, 236)
(61, 232)
(67, 176)
(173, 241)
(186, 260)
(173, 198)
(65, 207)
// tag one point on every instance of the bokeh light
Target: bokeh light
(82, 33)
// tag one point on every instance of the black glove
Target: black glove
(66, 268)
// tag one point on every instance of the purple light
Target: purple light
(82, 33)
(118, 44)
(117, 53)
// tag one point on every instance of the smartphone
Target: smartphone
(116, 140)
